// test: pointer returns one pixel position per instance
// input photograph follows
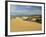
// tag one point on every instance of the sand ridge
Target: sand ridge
(17, 25)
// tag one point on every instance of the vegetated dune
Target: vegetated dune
(18, 25)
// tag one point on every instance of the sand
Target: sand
(18, 25)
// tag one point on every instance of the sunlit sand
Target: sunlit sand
(18, 25)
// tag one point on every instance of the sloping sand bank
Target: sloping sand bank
(17, 25)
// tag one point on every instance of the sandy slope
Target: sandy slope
(19, 25)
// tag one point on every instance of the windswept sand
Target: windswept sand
(17, 25)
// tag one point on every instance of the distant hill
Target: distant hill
(27, 15)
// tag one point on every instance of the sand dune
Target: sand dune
(18, 24)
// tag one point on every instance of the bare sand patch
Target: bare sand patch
(17, 25)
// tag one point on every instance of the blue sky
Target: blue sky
(20, 10)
